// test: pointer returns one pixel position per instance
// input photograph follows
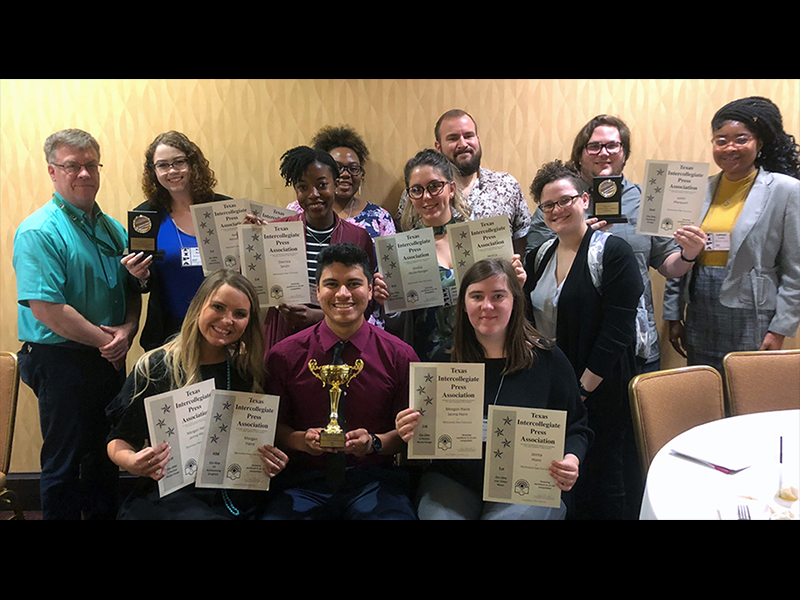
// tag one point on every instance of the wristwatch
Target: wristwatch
(377, 445)
(584, 392)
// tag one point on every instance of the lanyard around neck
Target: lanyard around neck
(102, 245)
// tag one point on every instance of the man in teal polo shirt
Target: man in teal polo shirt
(77, 317)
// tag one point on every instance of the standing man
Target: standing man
(602, 148)
(76, 319)
(488, 193)
(359, 481)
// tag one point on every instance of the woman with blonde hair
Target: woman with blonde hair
(221, 338)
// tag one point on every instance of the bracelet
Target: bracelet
(684, 259)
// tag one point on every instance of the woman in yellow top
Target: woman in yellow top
(744, 291)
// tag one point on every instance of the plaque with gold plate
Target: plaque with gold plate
(143, 233)
(607, 199)
(334, 376)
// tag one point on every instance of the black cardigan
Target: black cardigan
(596, 328)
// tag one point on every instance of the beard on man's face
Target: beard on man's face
(469, 164)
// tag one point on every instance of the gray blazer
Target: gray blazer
(763, 269)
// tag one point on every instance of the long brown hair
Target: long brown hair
(202, 179)
(522, 340)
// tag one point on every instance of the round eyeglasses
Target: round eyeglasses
(434, 188)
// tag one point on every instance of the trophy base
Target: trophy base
(331, 440)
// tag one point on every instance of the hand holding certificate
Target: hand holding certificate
(449, 399)
(477, 240)
(521, 445)
(239, 423)
(672, 196)
(178, 417)
(409, 267)
(274, 260)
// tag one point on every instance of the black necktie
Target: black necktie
(337, 462)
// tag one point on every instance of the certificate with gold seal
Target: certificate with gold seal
(238, 424)
(449, 398)
(672, 196)
(520, 445)
(274, 260)
(178, 417)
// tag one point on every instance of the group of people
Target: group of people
(564, 324)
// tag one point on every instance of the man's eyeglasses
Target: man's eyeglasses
(75, 168)
(179, 164)
(434, 188)
(563, 203)
(596, 147)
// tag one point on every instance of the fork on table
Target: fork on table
(744, 512)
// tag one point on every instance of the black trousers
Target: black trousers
(73, 384)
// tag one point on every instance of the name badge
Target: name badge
(718, 241)
(190, 257)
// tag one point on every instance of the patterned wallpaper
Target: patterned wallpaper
(243, 126)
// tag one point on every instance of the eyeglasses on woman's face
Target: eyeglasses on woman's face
(179, 164)
(415, 192)
(548, 207)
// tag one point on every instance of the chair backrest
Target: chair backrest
(666, 403)
(9, 391)
(760, 381)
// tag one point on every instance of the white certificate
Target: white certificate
(238, 424)
(521, 443)
(274, 260)
(410, 269)
(179, 418)
(216, 228)
(477, 240)
(672, 196)
(449, 398)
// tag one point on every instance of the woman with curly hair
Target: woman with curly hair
(743, 293)
(313, 174)
(350, 152)
(220, 339)
(176, 176)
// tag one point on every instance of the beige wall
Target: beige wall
(243, 127)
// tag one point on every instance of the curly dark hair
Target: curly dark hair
(554, 171)
(762, 117)
(343, 136)
(202, 180)
(294, 163)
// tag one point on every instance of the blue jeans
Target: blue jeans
(441, 498)
(368, 493)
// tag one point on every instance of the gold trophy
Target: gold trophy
(335, 376)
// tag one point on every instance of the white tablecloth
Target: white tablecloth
(677, 488)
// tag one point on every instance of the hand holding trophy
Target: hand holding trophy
(333, 436)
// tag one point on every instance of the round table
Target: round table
(678, 488)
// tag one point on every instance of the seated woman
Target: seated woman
(176, 176)
(313, 175)
(584, 287)
(220, 339)
(522, 369)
